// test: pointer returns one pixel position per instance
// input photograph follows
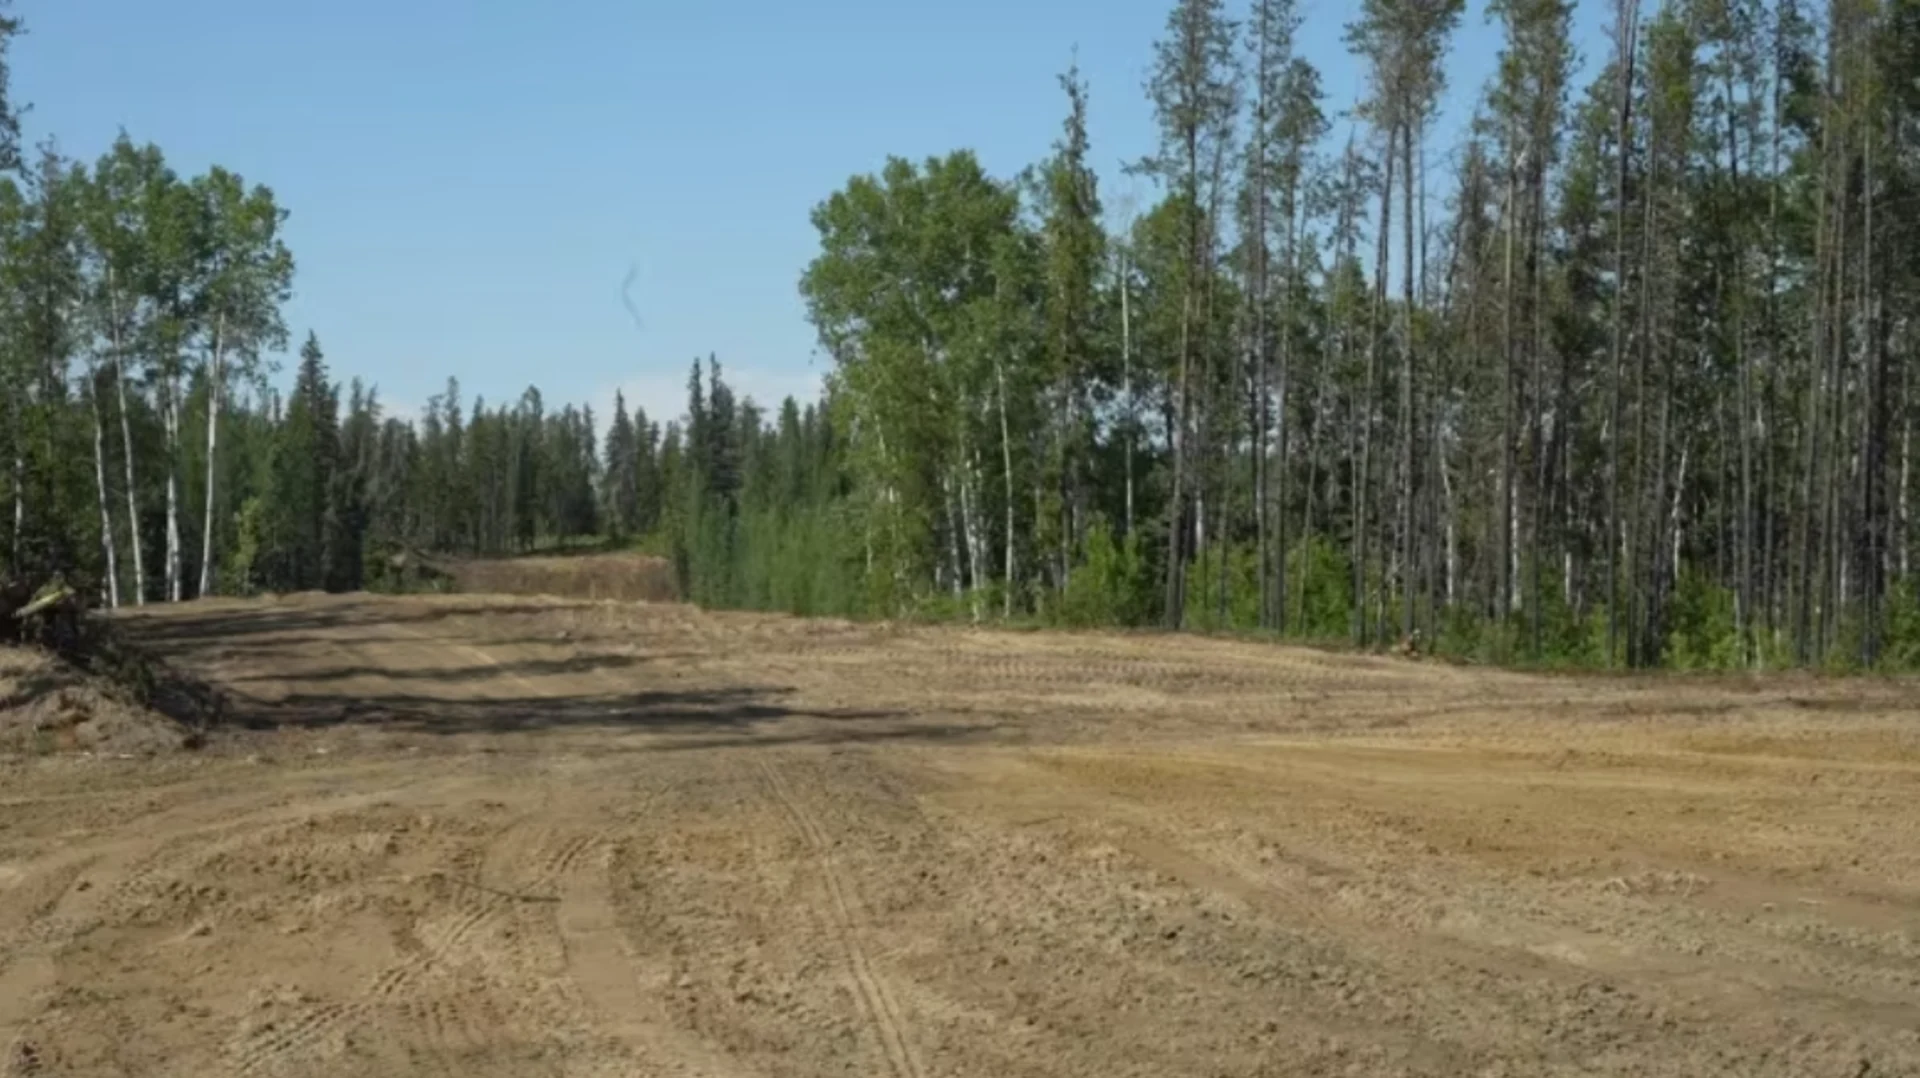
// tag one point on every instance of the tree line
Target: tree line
(1622, 378)
(144, 451)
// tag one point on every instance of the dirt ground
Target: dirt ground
(488, 837)
(624, 575)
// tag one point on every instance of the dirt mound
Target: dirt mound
(624, 577)
(47, 706)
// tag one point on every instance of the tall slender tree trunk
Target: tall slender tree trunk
(107, 545)
(1006, 465)
(1062, 469)
(1176, 513)
(19, 477)
(1409, 476)
(1876, 421)
(1260, 298)
(969, 525)
(1832, 483)
(1217, 421)
(1282, 433)
(956, 566)
(1903, 536)
(1312, 453)
(1642, 550)
(134, 538)
(1743, 537)
(1543, 539)
(1663, 525)
(1451, 514)
(1503, 588)
(1263, 570)
(1126, 389)
(1363, 484)
(1627, 16)
(1431, 556)
(173, 487)
(216, 379)
(1803, 542)
(1771, 498)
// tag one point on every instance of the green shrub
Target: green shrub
(1702, 629)
(1901, 649)
(1109, 586)
(1319, 590)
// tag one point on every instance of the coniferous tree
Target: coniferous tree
(622, 472)
(1194, 90)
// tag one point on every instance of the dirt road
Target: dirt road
(493, 837)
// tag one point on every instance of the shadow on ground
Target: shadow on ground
(261, 661)
(189, 625)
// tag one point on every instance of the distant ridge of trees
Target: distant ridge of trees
(1626, 378)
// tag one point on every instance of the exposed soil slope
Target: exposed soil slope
(46, 706)
(624, 576)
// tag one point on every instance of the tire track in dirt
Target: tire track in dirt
(881, 1012)
(601, 963)
(453, 947)
(600, 957)
(90, 881)
(556, 866)
(1511, 942)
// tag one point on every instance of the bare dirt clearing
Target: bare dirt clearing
(496, 837)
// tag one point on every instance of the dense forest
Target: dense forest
(1624, 378)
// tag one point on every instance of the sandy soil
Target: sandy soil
(622, 575)
(492, 837)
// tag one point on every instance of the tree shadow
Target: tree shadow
(690, 718)
(278, 687)
(189, 626)
(585, 663)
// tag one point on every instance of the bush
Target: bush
(1702, 633)
(1319, 590)
(1242, 590)
(1109, 586)
(1901, 649)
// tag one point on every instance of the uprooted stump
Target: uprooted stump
(49, 613)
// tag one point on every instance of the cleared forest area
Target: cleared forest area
(512, 836)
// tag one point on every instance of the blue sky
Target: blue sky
(470, 182)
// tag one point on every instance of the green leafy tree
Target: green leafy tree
(1194, 88)
(246, 273)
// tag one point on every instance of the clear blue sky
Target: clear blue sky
(470, 181)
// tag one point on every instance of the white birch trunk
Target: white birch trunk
(173, 488)
(1126, 384)
(19, 481)
(1006, 464)
(100, 489)
(1679, 488)
(972, 537)
(1452, 533)
(215, 377)
(954, 537)
(1905, 542)
(126, 451)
